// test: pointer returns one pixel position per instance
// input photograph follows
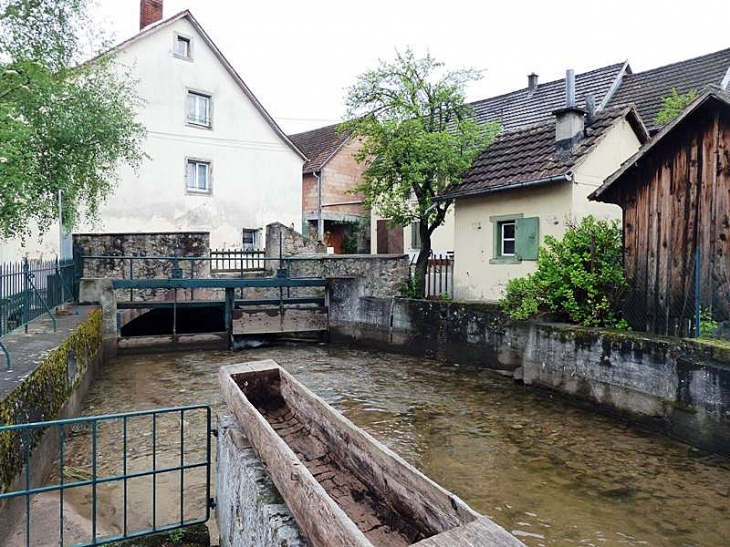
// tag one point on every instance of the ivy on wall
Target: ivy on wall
(42, 395)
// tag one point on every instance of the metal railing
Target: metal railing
(439, 279)
(21, 439)
(30, 289)
(237, 260)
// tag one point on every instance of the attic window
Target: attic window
(183, 47)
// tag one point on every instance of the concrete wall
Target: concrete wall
(477, 276)
(250, 512)
(681, 387)
(617, 145)
(53, 389)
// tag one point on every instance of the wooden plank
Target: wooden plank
(480, 533)
(652, 244)
(401, 486)
(321, 519)
(722, 240)
(280, 320)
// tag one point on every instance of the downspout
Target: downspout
(320, 220)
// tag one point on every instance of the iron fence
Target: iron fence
(133, 439)
(237, 260)
(439, 280)
(32, 288)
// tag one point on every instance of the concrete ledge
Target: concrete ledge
(679, 386)
(249, 509)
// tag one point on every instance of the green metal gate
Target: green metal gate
(142, 449)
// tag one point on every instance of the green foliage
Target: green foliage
(418, 136)
(410, 290)
(177, 536)
(62, 128)
(708, 325)
(673, 105)
(579, 279)
(445, 297)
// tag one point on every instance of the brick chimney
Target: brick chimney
(150, 11)
(532, 82)
(569, 120)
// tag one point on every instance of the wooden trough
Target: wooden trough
(344, 488)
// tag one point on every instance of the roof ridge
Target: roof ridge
(523, 89)
(677, 63)
(292, 135)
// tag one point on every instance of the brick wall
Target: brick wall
(341, 174)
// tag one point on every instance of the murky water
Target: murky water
(551, 473)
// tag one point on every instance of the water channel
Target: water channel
(549, 472)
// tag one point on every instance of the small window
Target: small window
(250, 239)
(507, 238)
(416, 235)
(182, 47)
(198, 176)
(199, 109)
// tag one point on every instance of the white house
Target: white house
(217, 161)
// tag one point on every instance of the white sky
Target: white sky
(299, 56)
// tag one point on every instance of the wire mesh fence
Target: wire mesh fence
(687, 297)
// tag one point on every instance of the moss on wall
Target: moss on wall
(45, 391)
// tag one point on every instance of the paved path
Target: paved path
(27, 350)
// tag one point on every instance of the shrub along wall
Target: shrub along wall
(43, 395)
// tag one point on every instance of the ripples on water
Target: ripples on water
(551, 473)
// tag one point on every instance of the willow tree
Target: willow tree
(419, 136)
(65, 126)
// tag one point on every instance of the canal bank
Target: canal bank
(52, 367)
(548, 471)
(678, 386)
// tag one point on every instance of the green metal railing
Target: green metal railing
(30, 289)
(25, 437)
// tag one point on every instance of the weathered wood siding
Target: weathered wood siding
(676, 202)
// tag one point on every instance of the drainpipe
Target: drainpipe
(320, 220)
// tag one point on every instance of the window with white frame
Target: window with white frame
(507, 239)
(199, 109)
(198, 176)
(183, 47)
(250, 239)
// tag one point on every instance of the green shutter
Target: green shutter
(527, 232)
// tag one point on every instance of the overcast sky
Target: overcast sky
(299, 56)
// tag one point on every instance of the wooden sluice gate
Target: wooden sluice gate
(284, 314)
(344, 488)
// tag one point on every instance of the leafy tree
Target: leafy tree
(63, 126)
(578, 279)
(673, 105)
(418, 136)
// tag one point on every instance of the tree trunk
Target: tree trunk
(422, 261)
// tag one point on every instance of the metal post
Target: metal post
(26, 293)
(174, 318)
(228, 318)
(698, 291)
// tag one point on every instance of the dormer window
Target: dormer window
(183, 47)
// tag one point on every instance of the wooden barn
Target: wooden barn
(675, 196)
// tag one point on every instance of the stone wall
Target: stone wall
(249, 509)
(284, 241)
(196, 244)
(679, 386)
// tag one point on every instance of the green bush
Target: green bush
(579, 279)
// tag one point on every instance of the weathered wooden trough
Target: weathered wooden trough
(344, 488)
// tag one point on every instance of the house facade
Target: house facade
(216, 160)
(675, 197)
(530, 184)
(331, 211)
